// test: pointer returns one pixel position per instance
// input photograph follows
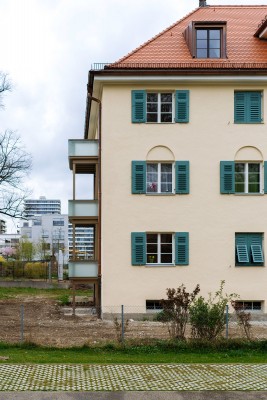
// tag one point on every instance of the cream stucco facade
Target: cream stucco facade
(182, 201)
(212, 219)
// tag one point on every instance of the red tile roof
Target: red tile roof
(169, 49)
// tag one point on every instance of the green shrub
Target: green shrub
(207, 316)
(35, 270)
(176, 310)
(64, 299)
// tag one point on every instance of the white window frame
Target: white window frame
(246, 163)
(159, 106)
(159, 177)
(158, 248)
(154, 309)
(252, 302)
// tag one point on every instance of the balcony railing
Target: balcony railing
(83, 148)
(83, 208)
(83, 269)
(98, 66)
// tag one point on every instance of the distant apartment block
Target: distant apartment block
(50, 231)
(84, 242)
(9, 240)
(2, 226)
(41, 206)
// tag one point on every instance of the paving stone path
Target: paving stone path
(134, 377)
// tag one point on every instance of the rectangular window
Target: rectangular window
(159, 178)
(164, 178)
(249, 249)
(159, 107)
(248, 107)
(153, 305)
(58, 222)
(208, 43)
(248, 177)
(250, 305)
(159, 248)
(206, 39)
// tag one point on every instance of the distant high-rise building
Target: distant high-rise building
(41, 206)
(84, 242)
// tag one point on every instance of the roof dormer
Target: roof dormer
(261, 32)
(206, 39)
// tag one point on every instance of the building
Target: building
(175, 138)
(50, 232)
(2, 226)
(8, 240)
(41, 206)
(84, 239)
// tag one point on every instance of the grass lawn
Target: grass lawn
(163, 352)
(57, 293)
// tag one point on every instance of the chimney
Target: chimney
(202, 3)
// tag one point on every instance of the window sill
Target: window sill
(249, 194)
(159, 265)
(160, 194)
(249, 123)
(160, 123)
(249, 266)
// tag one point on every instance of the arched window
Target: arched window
(160, 173)
(247, 174)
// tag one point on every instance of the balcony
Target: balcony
(84, 154)
(83, 269)
(83, 208)
(83, 148)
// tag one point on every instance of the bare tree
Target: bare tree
(15, 165)
(5, 85)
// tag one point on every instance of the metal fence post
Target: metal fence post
(227, 321)
(21, 323)
(122, 324)
(50, 271)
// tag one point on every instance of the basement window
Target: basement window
(153, 305)
(250, 305)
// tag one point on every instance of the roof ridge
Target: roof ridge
(155, 37)
(237, 5)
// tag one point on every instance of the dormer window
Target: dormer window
(206, 39)
(208, 43)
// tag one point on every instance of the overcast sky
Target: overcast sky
(47, 47)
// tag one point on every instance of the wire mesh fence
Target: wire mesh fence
(24, 270)
(45, 322)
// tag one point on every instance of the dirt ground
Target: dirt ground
(47, 323)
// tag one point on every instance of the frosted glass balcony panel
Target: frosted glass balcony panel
(83, 269)
(83, 208)
(83, 148)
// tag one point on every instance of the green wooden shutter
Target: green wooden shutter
(248, 107)
(240, 107)
(181, 248)
(255, 242)
(182, 106)
(257, 255)
(182, 177)
(138, 248)
(227, 177)
(265, 177)
(138, 106)
(138, 177)
(253, 107)
(242, 253)
(241, 242)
